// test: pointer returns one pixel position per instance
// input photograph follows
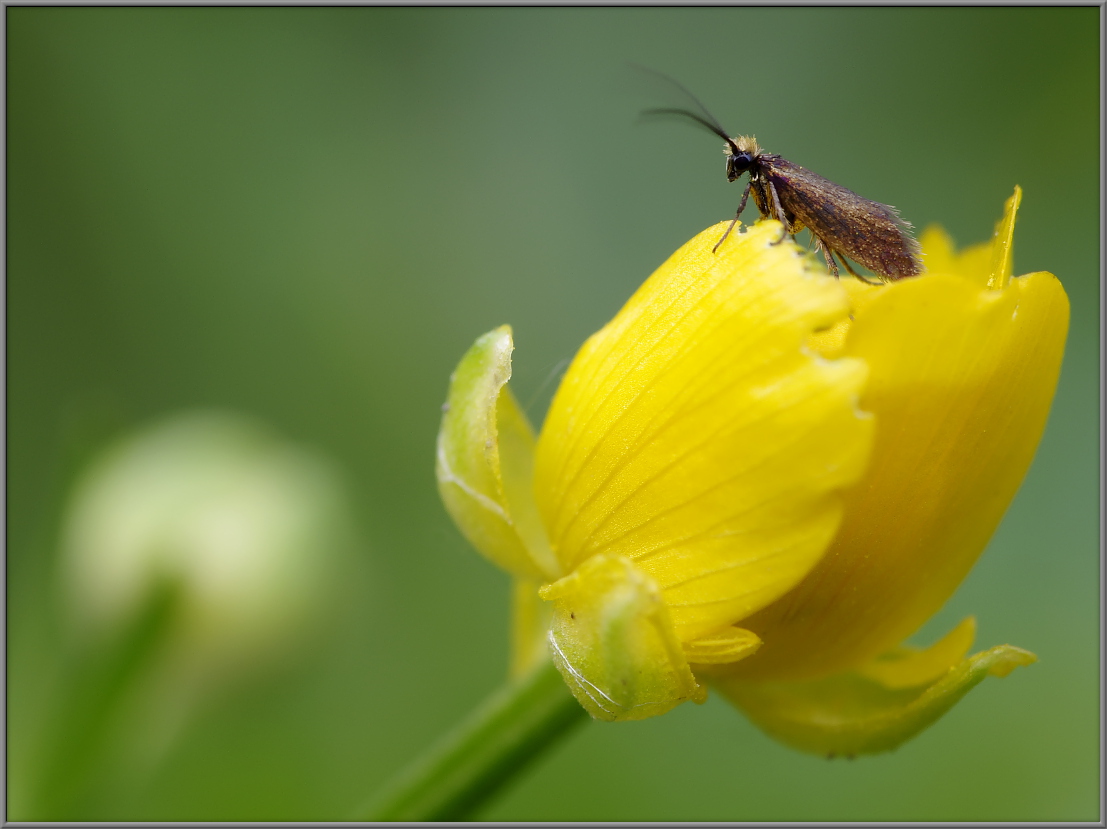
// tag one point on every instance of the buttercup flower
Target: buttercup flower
(963, 365)
(762, 478)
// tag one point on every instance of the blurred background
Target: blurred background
(305, 216)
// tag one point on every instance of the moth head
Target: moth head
(738, 163)
(741, 155)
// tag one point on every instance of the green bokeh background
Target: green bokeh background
(308, 215)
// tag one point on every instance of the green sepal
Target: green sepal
(485, 462)
(614, 643)
(847, 714)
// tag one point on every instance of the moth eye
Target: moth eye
(741, 162)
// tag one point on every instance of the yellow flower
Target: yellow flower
(690, 470)
(708, 446)
(963, 365)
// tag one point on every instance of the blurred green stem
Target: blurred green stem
(96, 687)
(473, 762)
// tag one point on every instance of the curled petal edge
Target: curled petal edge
(849, 714)
(485, 459)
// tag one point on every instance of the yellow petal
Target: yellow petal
(974, 263)
(987, 264)
(938, 250)
(1003, 243)
(907, 667)
(961, 384)
(727, 645)
(831, 342)
(847, 714)
(613, 641)
(696, 436)
(484, 462)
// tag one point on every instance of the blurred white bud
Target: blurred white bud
(244, 525)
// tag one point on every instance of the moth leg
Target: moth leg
(828, 255)
(831, 265)
(864, 279)
(779, 212)
(734, 221)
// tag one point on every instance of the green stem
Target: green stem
(471, 763)
(97, 686)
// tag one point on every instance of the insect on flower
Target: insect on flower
(840, 221)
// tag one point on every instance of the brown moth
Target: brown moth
(841, 222)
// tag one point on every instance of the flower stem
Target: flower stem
(77, 747)
(474, 761)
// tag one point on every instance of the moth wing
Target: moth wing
(866, 231)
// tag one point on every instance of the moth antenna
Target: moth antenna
(713, 127)
(703, 117)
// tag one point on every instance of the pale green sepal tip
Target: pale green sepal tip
(485, 453)
(614, 643)
(846, 714)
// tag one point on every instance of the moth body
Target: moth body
(842, 223)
